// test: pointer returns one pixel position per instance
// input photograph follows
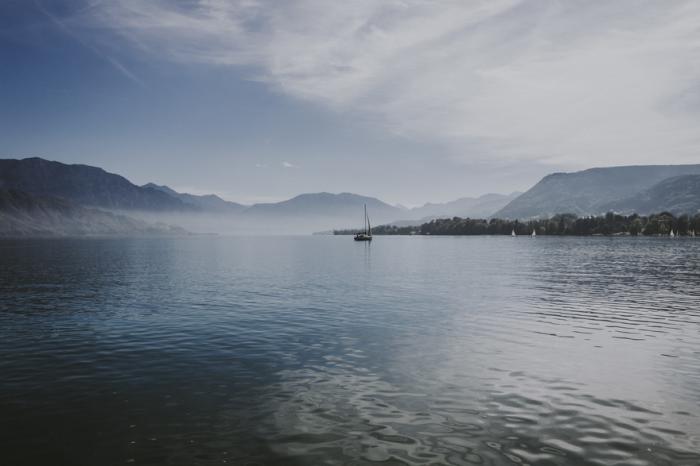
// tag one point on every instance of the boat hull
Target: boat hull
(362, 237)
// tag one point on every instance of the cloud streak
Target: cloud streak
(116, 64)
(569, 83)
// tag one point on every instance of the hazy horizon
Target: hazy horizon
(264, 200)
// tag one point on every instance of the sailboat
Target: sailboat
(512, 233)
(534, 233)
(671, 234)
(365, 235)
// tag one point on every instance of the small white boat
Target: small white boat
(671, 234)
(512, 233)
(534, 233)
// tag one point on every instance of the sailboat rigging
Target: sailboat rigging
(366, 234)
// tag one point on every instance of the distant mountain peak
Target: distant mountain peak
(206, 202)
(163, 188)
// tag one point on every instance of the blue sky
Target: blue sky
(259, 100)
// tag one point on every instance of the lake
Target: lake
(320, 350)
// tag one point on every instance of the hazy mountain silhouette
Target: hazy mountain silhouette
(45, 185)
(24, 214)
(207, 202)
(91, 186)
(589, 192)
(473, 207)
(84, 185)
(343, 205)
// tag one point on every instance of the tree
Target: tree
(636, 227)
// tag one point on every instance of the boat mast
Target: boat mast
(364, 223)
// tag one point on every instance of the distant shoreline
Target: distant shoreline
(662, 224)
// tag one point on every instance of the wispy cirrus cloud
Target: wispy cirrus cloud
(578, 83)
(116, 64)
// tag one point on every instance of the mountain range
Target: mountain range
(41, 196)
(599, 190)
(92, 187)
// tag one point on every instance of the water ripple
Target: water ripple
(460, 351)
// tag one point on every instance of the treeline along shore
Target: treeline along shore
(563, 224)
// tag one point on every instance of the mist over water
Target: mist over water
(262, 225)
(320, 350)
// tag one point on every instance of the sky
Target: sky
(409, 101)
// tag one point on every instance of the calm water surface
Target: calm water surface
(320, 350)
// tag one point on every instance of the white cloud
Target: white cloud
(585, 83)
(288, 165)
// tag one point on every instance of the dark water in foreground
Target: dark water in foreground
(320, 350)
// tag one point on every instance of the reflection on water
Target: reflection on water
(320, 350)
